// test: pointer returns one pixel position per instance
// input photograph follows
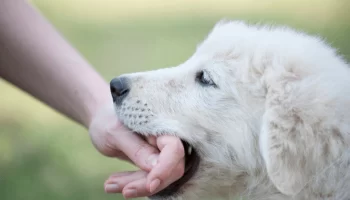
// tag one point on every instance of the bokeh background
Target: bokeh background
(43, 155)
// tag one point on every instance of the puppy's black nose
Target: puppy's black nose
(119, 89)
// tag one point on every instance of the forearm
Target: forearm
(34, 57)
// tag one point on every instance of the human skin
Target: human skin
(37, 59)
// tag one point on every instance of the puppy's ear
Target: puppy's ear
(293, 145)
(283, 154)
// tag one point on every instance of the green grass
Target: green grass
(45, 156)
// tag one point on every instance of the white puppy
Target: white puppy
(263, 111)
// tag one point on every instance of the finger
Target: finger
(172, 153)
(175, 175)
(116, 182)
(135, 148)
(178, 172)
(110, 151)
(124, 157)
(152, 140)
(136, 189)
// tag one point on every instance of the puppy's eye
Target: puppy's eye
(204, 79)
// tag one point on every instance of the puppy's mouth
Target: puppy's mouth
(192, 161)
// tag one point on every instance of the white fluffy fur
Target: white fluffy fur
(276, 126)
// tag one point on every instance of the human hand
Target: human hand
(161, 159)
(132, 183)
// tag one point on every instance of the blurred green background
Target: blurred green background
(43, 155)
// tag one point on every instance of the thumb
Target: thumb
(140, 152)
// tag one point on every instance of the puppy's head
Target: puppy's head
(197, 102)
(214, 102)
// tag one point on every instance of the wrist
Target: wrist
(102, 101)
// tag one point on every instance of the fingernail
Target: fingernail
(154, 185)
(152, 160)
(111, 187)
(131, 193)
